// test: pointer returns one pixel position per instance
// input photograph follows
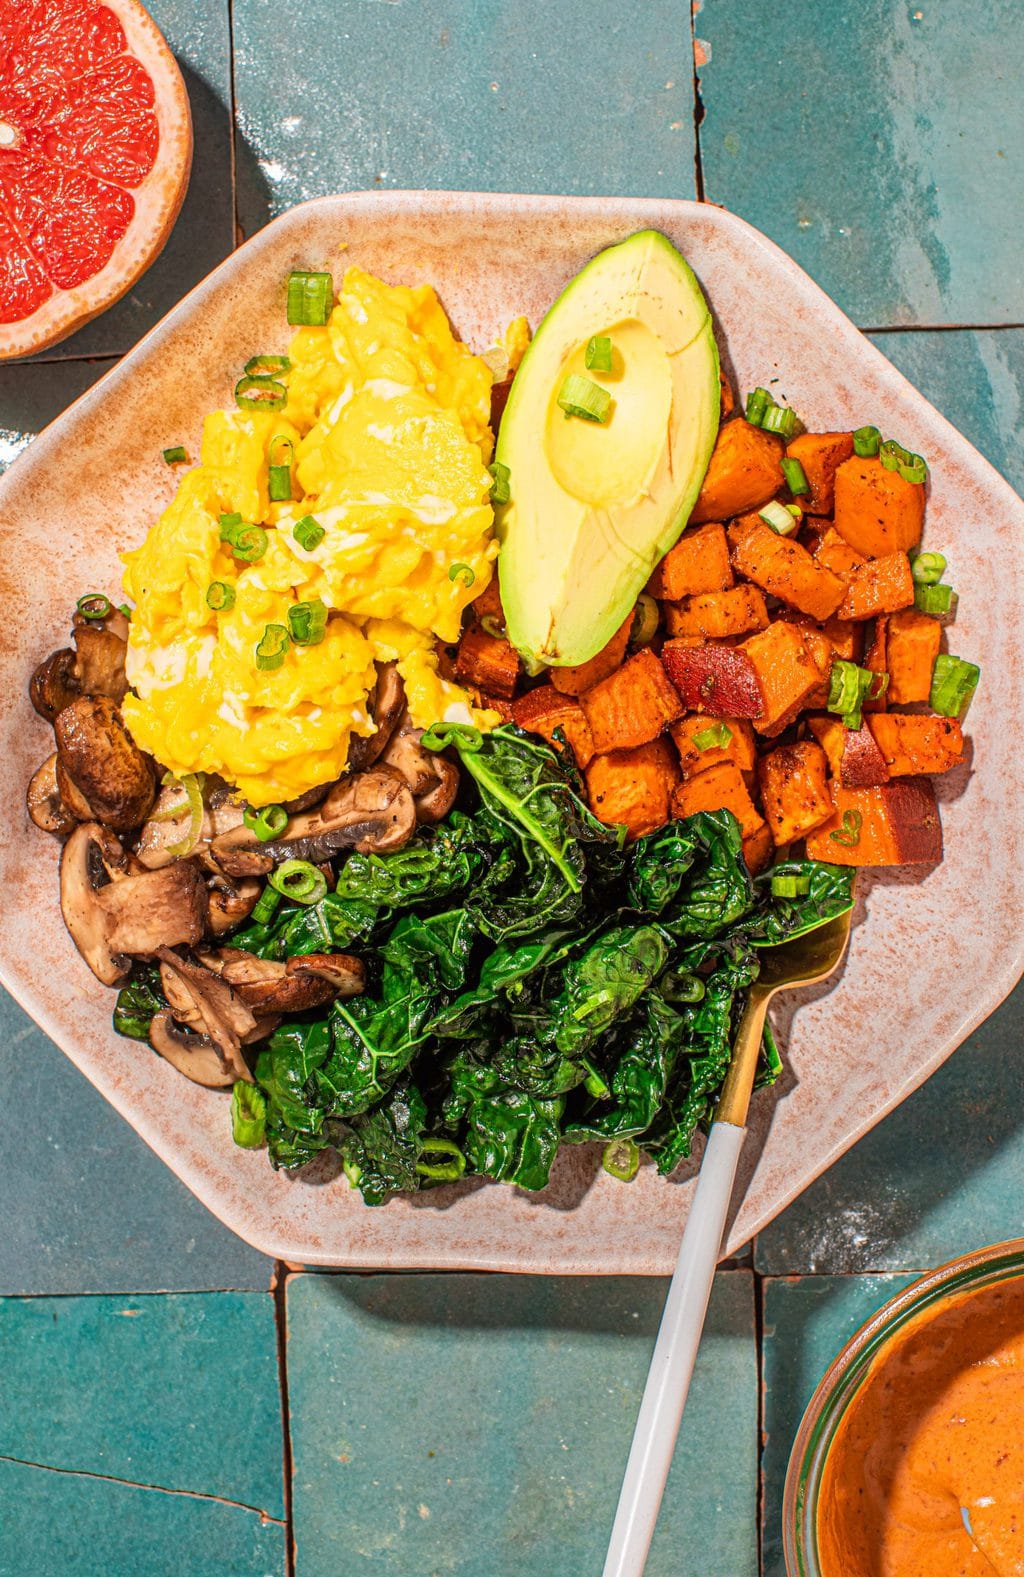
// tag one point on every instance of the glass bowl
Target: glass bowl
(842, 1380)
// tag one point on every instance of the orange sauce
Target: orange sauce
(925, 1476)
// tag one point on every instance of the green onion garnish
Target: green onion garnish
(194, 794)
(714, 738)
(790, 886)
(248, 1115)
(310, 298)
(94, 605)
(307, 622)
(229, 524)
(758, 401)
(621, 1159)
(781, 519)
(581, 397)
(220, 596)
(954, 682)
(911, 467)
(490, 626)
(300, 881)
(249, 543)
(279, 475)
(265, 906)
(267, 366)
(780, 419)
(270, 652)
(866, 442)
(850, 835)
(598, 355)
(123, 607)
(308, 533)
(933, 599)
(176, 455)
(796, 477)
(468, 575)
(646, 620)
(501, 476)
(267, 823)
(260, 394)
(440, 735)
(927, 568)
(448, 1171)
(849, 687)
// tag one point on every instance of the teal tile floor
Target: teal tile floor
(469, 1424)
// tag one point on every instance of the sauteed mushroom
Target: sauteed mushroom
(370, 811)
(44, 802)
(54, 685)
(113, 779)
(231, 900)
(170, 823)
(99, 666)
(386, 706)
(196, 1056)
(432, 778)
(294, 986)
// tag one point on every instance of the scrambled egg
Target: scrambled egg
(387, 414)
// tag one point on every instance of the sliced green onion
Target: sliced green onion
(308, 533)
(248, 1115)
(220, 596)
(260, 394)
(440, 735)
(598, 354)
(265, 907)
(229, 524)
(646, 620)
(267, 366)
(716, 737)
(310, 298)
(849, 837)
(468, 575)
(176, 455)
(790, 886)
(267, 823)
(927, 568)
(911, 467)
(249, 543)
(501, 475)
(781, 519)
(796, 476)
(448, 1171)
(780, 419)
(307, 622)
(621, 1159)
(933, 599)
(866, 442)
(279, 473)
(300, 881)
(849, 687)
(681, 985)
(584, 398)
(270, 652)
(595, 1083)
(490, 626)
(194, 795)
(94, 605)
(954, 682)
(758, 401)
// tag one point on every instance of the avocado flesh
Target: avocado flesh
(594, 506)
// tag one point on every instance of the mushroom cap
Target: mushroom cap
(44, 801)
(104, 763)
(369, 811)
(295, 986)
(435, 804)
(207, 1004)
(196, 1056)
(54, 685)
(386, 707)
(99, 665)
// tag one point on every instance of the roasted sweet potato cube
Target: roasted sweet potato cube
(820, 454)
(913, 641)
(894, 824)
(794, 789)
(786, 570)
(883, 585)
(543, 710)
(487, 662)
(718, 680)
(744, 472)
(845, 638)
(758, 849)
(488, 604)
(698, 563)
(832, 553)
(632, 705)
(719, 788)
(493, 703)
(787, 673)
(876, 511)
(876, 658)
(728, 399)
(740, 750)
(831, 736)
(719, 614)
(575, 681)
(912, 745)
(634, 788)
(862, 764)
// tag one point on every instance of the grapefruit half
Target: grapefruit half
(95, 153)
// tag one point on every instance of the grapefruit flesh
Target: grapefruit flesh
(95, 152)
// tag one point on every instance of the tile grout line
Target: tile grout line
(156, 1489)
(759, 1357)
(698, 110)
(278, 1291)
(235, 231)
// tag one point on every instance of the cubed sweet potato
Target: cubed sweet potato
(544, 709)
(786, 570)
(487, 662)
(823, 656)
(876, 658)
(845, 638)
(794, 790)
(893, 824)
(876, 511)
(488, 604)
(632, 705)
(634, 788)
(758, 849)
(820, 454)
(718, 614)
(575, 681)
(913, 641)
(882, 585)
(912, 745)
(832, 553)
(740, 749)
(698, 563)
(492, 703)
(744, 472)
(862, 764)
(719, 788)
(718, 680)
(786, 671)
(831, 736)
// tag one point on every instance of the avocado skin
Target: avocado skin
(594, 507)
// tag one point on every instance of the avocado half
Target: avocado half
(594, 506)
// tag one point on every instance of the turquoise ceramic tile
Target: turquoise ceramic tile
(63, 1525)
(976, 378)
(880, 144)
(198, 32)
(479, 1425)
(33, 394)
(475, 95)
(806, 1322)
(942, 1174)
(179, 1391)
(87, 1206)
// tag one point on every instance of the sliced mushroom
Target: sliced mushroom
(303, 802)
(114, 913)
(346, 974)
(111, 774)
(44, 801)
(205, 1002)
(196, 1056)
(435, 804)
(54, 685)
(99, 665)
(406, 755)
(370, 811)
(113, 621)
(386, 706)
(231, 901)
(292, 987)
(170, 824)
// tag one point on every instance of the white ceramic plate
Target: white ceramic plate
(931, 956)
